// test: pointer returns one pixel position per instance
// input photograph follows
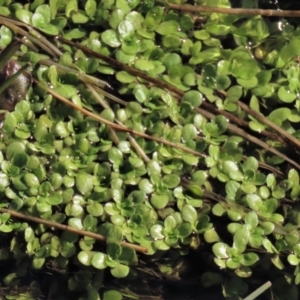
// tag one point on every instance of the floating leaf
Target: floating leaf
(120, 271)
(167, 27)
(220, 250)
(189, 214)
(84, 183)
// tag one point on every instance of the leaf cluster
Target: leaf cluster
(162, 153)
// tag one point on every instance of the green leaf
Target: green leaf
(291, 50)
(120, 271)
(269, 246)
(293, 260)
(279, 115)
(125, 30)
(84, 183)
(125, 77)
(251, 219)
(54, 198)
(286, 95)
(90, 8)
(217, 29)
(184, 230)
(29, 235)
(114, 250)
(218, 210)
(249, 259)
(85, 257)
(171, 181)
(115, 156)
(98, 261)
(76, 223)
(6, 228)
(31, 180)
(254, 201)
(250, 163)
(167, 27)
(159, 201)
(156, 231)
(268, 227)
(211, 236)
(112, 295)
(220, 250)
(13, 149)
(189, 132)
(189, 214)
(114, 234)
(110, 38)
(24, 15)
(95, 209)
(144, 65)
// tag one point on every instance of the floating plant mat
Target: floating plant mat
(155, 145)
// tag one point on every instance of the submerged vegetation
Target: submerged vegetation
(155, 153)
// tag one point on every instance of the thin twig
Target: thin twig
(63, 227)
(241, 122)
(36, 35)
(124, 67)
(266, 121)
(7, 22)
(81, 76)
(116, 126)
(111, 97)
(253, 139)
(132, 142)
(235, 11)
(170, 88)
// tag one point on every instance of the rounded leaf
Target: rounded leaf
(189, 214)
(99, 261)
(120, 271)
(220, 250)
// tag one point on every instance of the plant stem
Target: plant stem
(69, 228)
(235, 11)
(252, 139)
(266, 121)
(124, 67)
(116, 126)
(132, 142)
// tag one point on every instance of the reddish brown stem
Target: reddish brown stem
(68, 228)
